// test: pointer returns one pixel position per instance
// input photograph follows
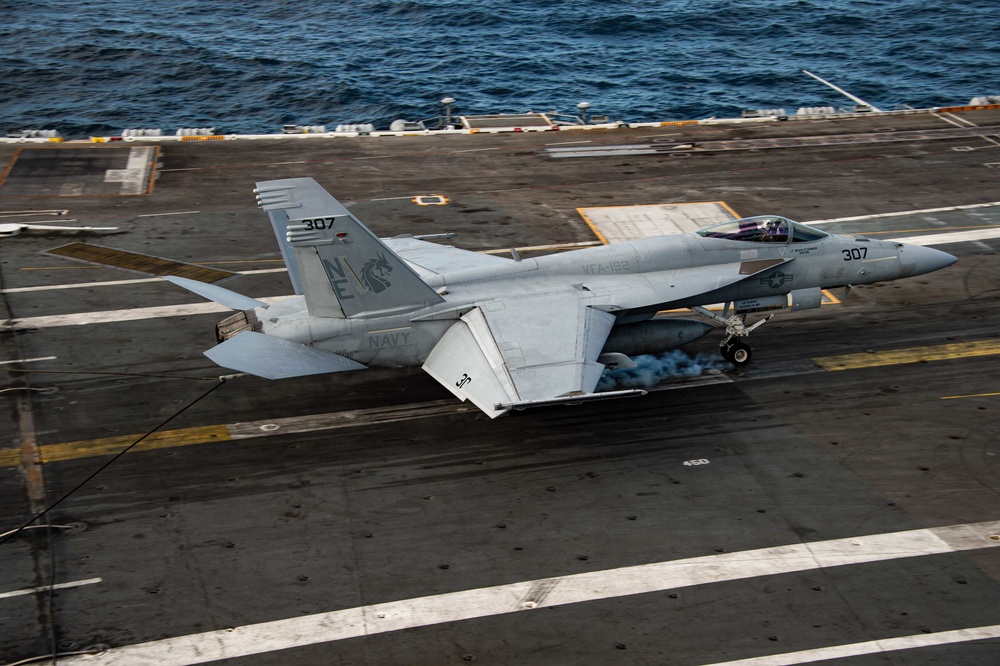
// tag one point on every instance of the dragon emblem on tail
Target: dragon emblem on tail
(374, 274)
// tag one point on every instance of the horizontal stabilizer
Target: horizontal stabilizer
(216, 294)
(276, 358)
(572, 399)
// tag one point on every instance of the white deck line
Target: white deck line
(953, 237)
(29, 360)
(120, 283)
(44, 588)
(879, 216)
(870, 647)
(130, 314)
(546, 592)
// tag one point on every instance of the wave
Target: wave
(314, 62)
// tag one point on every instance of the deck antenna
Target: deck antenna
(447, 101)
(856, 100)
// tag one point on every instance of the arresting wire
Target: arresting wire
(108, 463)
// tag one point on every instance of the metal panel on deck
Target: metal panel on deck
(142, 263)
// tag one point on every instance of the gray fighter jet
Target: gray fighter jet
(511, 333)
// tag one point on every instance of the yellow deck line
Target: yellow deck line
(88, 448)
(911, 355)
(593, 227)
(971, 395)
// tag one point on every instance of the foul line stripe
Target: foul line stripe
(89, 448)
(546, 592)
(911, 355)
(870, 647)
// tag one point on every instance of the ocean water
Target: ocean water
(87, 67)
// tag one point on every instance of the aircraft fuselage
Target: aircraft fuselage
(633, 280)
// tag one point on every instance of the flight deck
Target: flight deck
(836, 499)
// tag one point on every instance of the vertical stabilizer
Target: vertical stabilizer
(279, 223)
(343, 269)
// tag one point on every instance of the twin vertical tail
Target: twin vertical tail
(336, 262)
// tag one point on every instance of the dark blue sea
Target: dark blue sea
(249, 67)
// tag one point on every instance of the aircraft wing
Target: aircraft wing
(429, 259)
(525, 351)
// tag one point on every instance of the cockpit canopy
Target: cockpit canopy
(763, 229)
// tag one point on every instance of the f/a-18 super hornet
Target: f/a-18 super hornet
(511, 333)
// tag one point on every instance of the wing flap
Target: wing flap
(276, 358)
(529, 350)
(470, 365)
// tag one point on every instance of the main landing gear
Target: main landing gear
(736, 352)
(733, 349)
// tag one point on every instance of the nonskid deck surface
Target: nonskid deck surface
(836, 498)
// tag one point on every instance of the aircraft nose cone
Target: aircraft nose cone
(917, 259)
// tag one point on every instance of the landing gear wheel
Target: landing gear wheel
(737, 353)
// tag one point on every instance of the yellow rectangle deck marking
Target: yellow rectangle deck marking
(142, 263)
(911, 355)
